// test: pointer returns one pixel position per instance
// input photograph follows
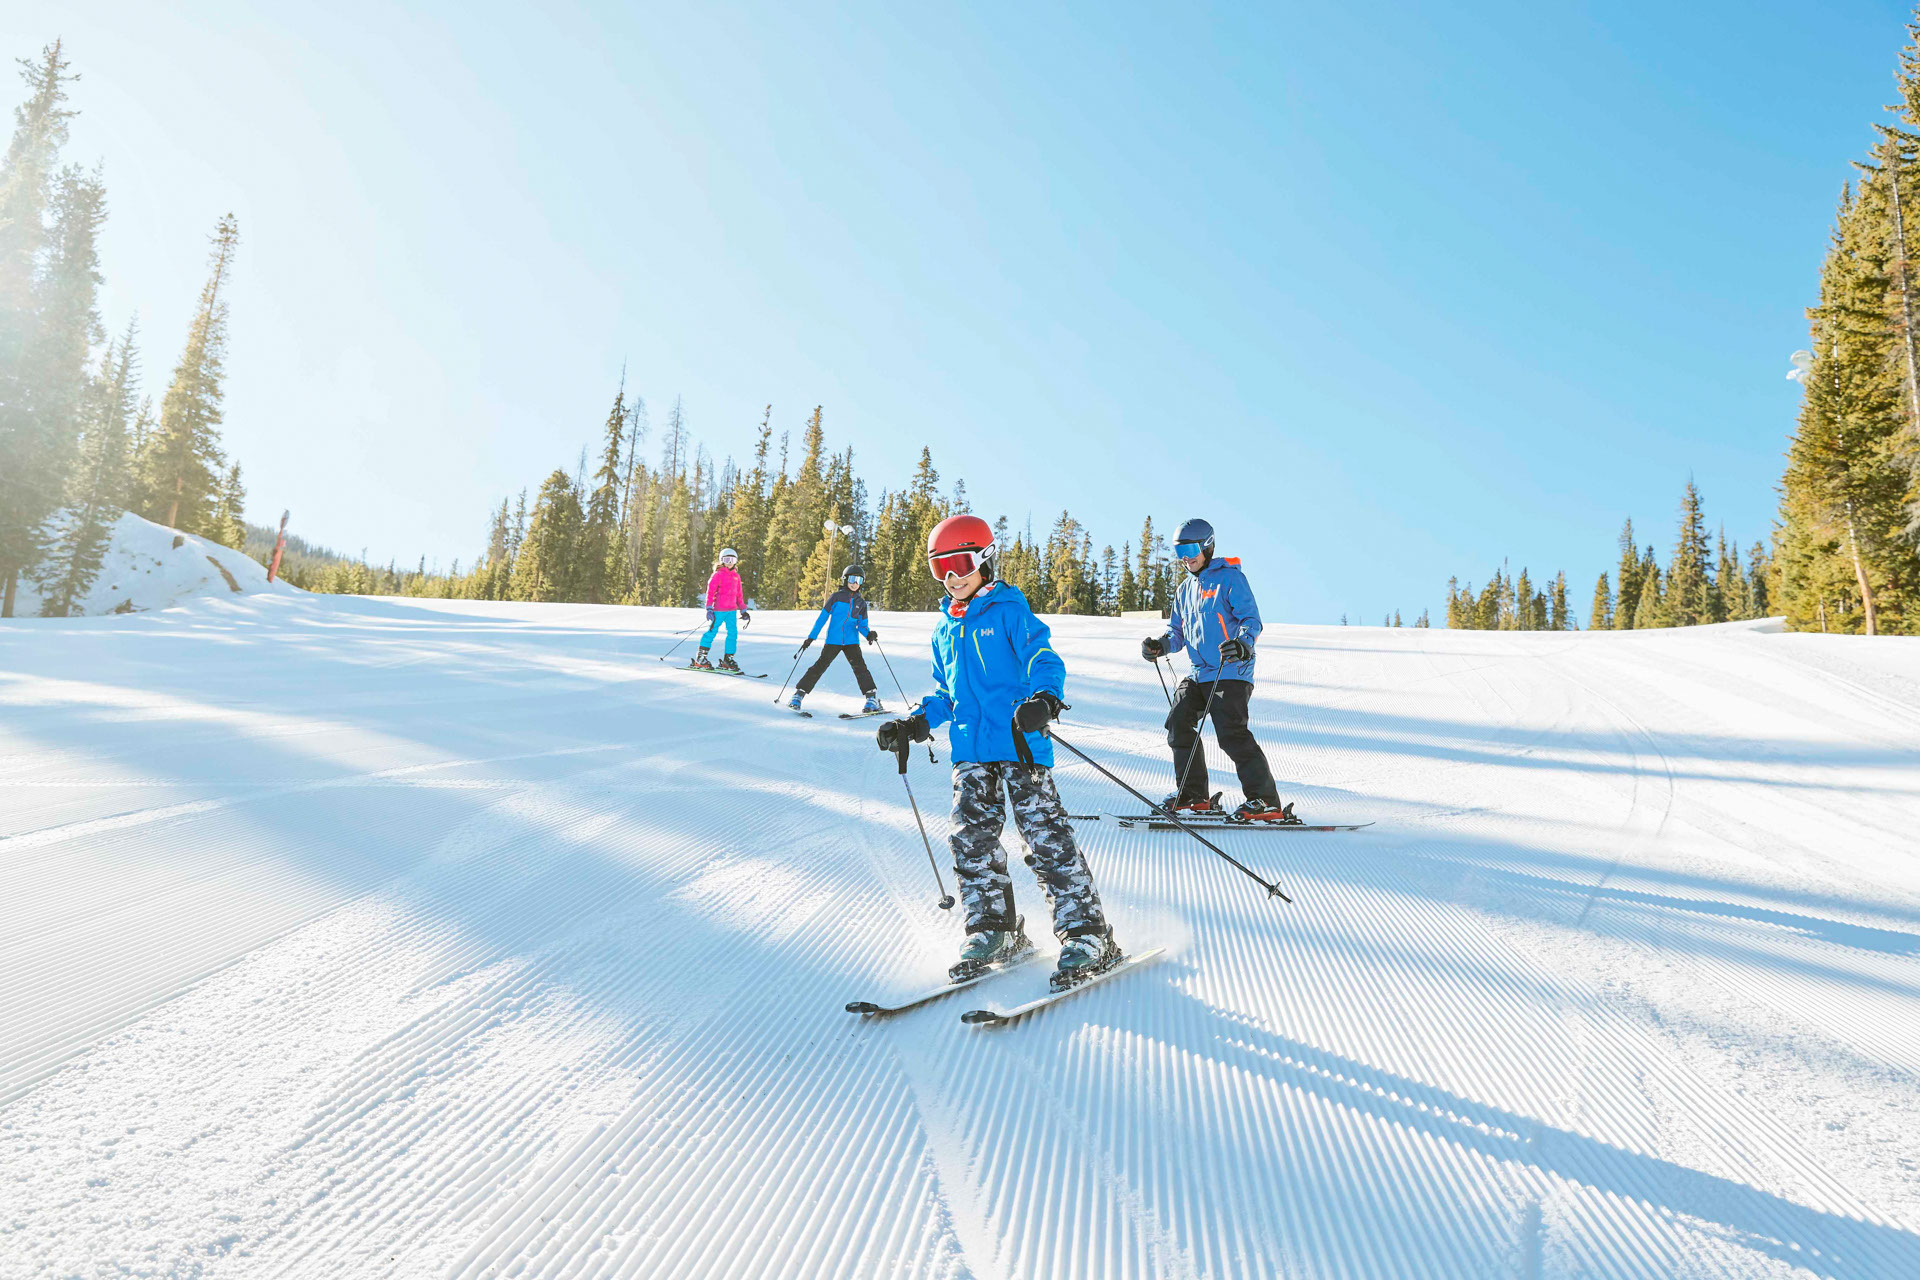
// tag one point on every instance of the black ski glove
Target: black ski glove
(1235, 650)
(1037, 712)
(1153, 648)
(804, 646)
(914, 728)
(746, 619)
(872, 636)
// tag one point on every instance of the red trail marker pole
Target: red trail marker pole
(280, 545)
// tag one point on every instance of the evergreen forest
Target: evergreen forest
(619, 529)
(80, 440)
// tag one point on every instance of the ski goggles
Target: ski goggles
(729, 559)
(854, 581)
(954, 564)
(1188, 550)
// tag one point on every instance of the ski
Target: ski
(862, 715)
(868, 1007)
(1155, 822)
(808, 715)
(732, 675)
(1000, 1017)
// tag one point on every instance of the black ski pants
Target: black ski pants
(827, 654)
(1229, 719)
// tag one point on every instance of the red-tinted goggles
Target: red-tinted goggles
(955, 564)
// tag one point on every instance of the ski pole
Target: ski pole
(1273, 890)
(902, 748)
(790, 670)
(1163, 681)
(677, 643)
(903, 693)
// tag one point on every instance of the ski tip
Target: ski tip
(981, 1018)
(862, 1006)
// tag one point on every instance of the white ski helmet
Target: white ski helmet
(728, 553)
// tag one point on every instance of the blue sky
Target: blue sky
(1386, 292)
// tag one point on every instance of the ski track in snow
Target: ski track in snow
(418, 938)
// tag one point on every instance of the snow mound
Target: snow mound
(149, 566)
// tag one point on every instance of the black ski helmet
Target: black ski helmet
(852, 571)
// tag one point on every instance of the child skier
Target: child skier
(1216, 621)
(997, 682)
(844, 615)
(726, 606)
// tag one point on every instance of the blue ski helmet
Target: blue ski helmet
(1194, 533)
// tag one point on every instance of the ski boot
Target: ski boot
(991, 949)
(1082, 956)
(1273, 812)
(700, 662)
(728, 664)
(1200, 806)
(873, 706)
(793, 703)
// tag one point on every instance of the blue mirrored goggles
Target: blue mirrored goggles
(854, 582)
(1188, 550)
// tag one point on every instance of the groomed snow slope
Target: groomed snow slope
(347, 937)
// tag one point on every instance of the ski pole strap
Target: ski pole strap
(1020, 747)
(902, 748)
(1273, 890)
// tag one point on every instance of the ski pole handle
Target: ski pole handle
(931, 758)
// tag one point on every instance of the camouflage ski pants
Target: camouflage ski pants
(979, 815)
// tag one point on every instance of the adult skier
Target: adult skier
(844, 616)
(997, 685)
(726, 606)
(1216, 621)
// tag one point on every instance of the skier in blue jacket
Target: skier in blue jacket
(1216, 621)
(997, 685)
(844, 616)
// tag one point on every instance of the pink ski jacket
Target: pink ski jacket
(724, 590)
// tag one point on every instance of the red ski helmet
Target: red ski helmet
(960, 544)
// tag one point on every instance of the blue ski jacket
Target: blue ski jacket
(844, 615)
(985, 664)
(1209, 607)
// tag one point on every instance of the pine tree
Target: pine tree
(745, 528)
(180, 472)
(598, 540)
(1560, 615)
(1601, 617)
(550, 546)
(1129, 582)
(1759, 581)
(55, 373)
(1730, 584)
(1843, 496)
(98, 489)
(670, 584)
(495, 570)
(1522, 615)
(1689, 588)
(1651, 610)
(799, 508)
(1628, 574)
(228, 527)
(31, 461)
